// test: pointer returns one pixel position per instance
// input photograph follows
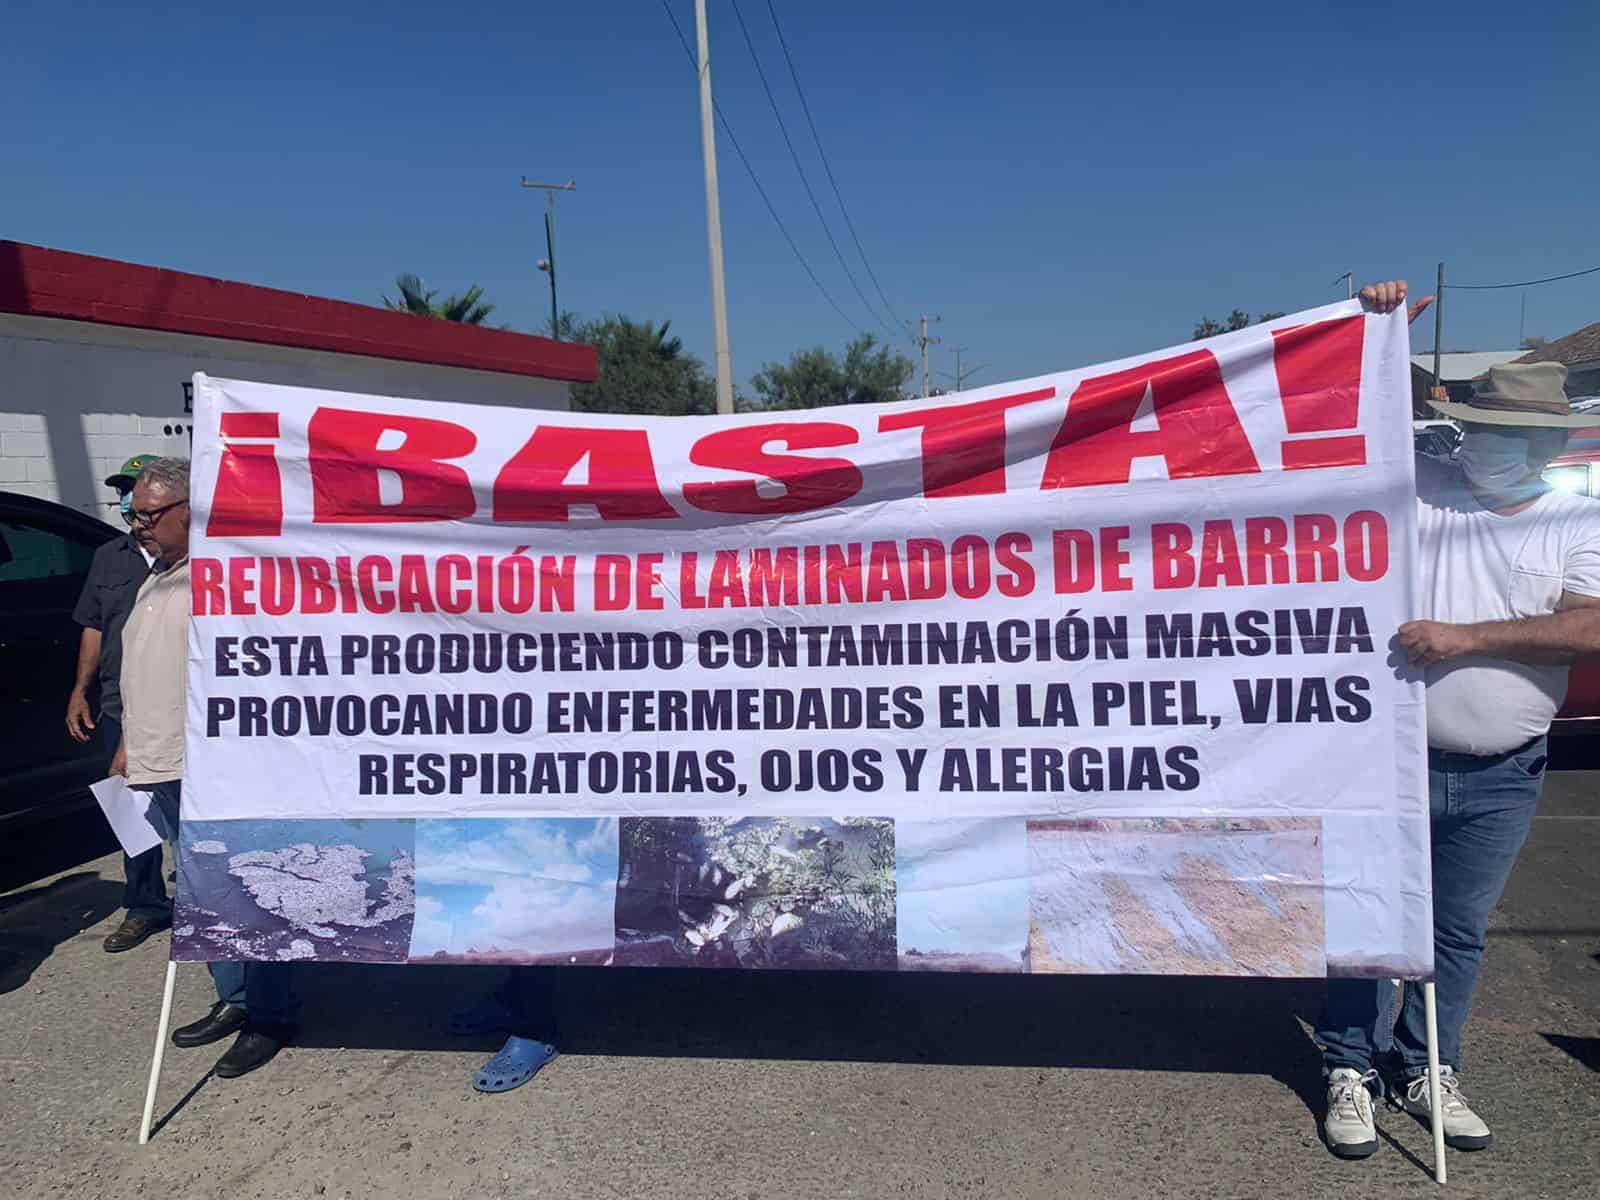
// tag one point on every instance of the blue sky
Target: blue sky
(1063, 183)
(531, 885)
(962, 886)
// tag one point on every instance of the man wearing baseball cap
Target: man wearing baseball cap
(128, 474)
(1510, 596)
(119, 567)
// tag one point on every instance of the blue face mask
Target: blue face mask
(1503, 465)
(126, 505)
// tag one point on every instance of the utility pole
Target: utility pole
(1438, 326)
(962, 375)
(923, 342)
(548, 263)
(1349, 284)
(708, 146)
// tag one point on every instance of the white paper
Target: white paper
(127, 811)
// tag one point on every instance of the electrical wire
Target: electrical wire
(694, 65)
(1493, 287)
(834, 183)
(800, 170)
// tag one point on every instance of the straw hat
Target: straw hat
(1526, 394)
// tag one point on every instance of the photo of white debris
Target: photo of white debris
(1166, 896)
(814, 892)
(962, 900)
(330, 891)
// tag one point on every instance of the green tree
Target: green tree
(868, 374)
(416, 297)
(1237, 319)
(643, 369)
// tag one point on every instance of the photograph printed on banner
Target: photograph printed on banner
(329, 890)
(516, 890)
(814, 892)
(962, 894)
(1177, 896)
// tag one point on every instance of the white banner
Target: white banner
(1090, 672)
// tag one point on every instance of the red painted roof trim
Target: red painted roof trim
(35, 281)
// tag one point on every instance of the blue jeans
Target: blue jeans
(525, 991)
(264, 990)
(144, 890)
(1482, 810)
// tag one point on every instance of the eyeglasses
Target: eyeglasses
(148, 519)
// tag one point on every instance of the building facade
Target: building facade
(97, 357)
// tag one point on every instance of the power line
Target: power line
(799, 170)
(751, 171)
(1491, 287)
(834, 183)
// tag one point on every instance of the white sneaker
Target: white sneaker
(1348, 1125)
(1463, 1128)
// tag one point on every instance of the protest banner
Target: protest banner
(1088, 673)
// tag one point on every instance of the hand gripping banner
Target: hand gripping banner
(1086, 673)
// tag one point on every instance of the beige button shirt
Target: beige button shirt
(155, 676)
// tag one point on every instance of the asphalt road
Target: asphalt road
(725, 1084)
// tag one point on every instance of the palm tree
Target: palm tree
(416, 297)
(647, 339)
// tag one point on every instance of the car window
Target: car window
(1437, 441)
(33, 552)
(1573, 478)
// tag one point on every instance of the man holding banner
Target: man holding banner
(253, 999)
(1510, 597)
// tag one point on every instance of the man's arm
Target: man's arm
(79, 720)
(1572, 631)
(119, 760)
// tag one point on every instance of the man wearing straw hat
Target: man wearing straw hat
(1510, 596)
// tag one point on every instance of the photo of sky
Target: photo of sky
(963, 894)
(515, 890)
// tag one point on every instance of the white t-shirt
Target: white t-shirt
(1478, 565)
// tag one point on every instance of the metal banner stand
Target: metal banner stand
(161, 1049)
(1431, 1017)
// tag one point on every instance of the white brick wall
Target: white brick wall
(23, 445)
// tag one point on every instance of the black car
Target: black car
(45, 551)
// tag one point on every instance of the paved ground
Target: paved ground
(711, 1084)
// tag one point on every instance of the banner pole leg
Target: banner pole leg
(160, 1052)
(1431, 1015)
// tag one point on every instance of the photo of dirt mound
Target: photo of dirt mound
(805, 892)
(1170, 896)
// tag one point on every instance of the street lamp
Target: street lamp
(548, 265)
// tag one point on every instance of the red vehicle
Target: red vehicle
(1578, 471)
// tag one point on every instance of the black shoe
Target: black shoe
(223, 1019)
(134, 931)
(253, 1048)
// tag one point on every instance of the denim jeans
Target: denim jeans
(1482, 809)
(144, 891)
(264, 990)
(527, 993)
